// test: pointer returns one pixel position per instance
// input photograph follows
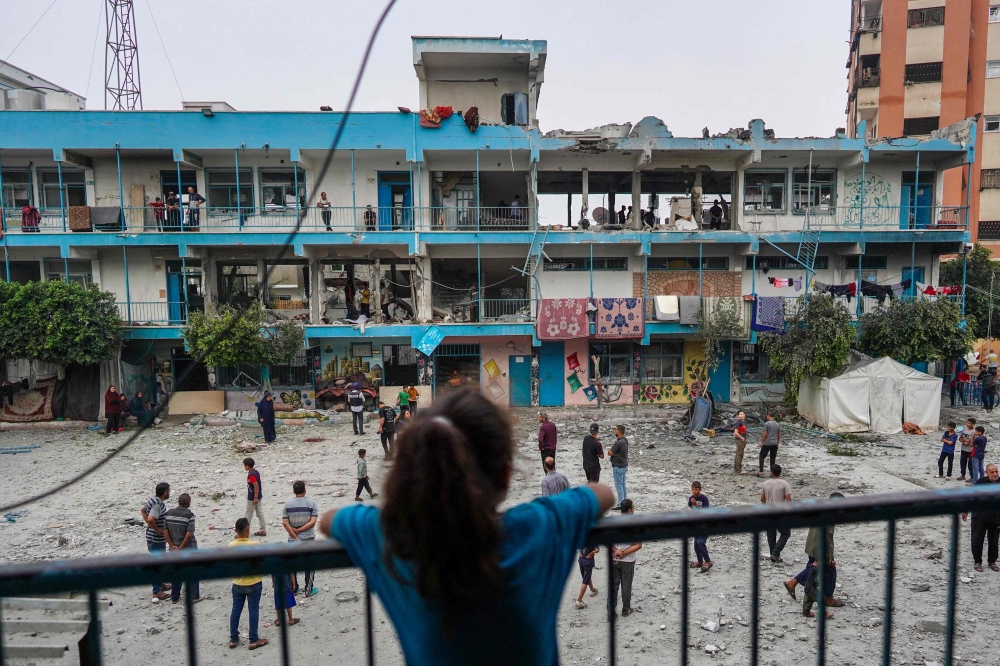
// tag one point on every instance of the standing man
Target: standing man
(180, 536)
(195, 201)
(154, 515)
(740, 437)
(593, 453)
(978, 454)
(366, 302)
(716, 212)
(515, 207)
(254, 494)
(770, 440)
(356, 401)
(387, 428)
(622, 570)
(546, 438)
(414, 396)
(173, 206)
(299, 518)
(829, 573)
(553, 482)
(965, 439)
(403, 401)
(246, 591)
(324, 205)
(986, 526)
(775, 491)
(371, 218)
(618, 453)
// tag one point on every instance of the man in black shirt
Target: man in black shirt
(593, 452)
(986, 526)
(195, 201)
(387, 428)
(716, 212)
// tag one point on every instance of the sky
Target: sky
(711, 63)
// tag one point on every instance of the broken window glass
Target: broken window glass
(764, 191)
(816, 192)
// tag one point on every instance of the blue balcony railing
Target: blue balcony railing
(137, 313)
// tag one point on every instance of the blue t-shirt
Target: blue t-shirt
(702, 501)
(948, 442)
(979, 447)
(540, 545)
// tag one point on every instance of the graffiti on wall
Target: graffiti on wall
(694, 380)
(877, 194)
(762, 392)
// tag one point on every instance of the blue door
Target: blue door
(519, 374)
(916, 200)
(719, 382)
(915, 276)
(550, 374)
(395, 201)
(175, 296)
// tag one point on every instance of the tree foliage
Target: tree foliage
(58, 322)
(979, 270)
(912, 330)
(817, 341)
(723, 322)
(233, 336)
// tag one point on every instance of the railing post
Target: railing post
(189, 620)
(684, 601)
(184, 281)
(754, 600)
(949, 645)
(279, 592)
(354, 195)
(890, 564)
(821, 592)
(612, 614)
(369, 630)
(6, 263)
(479, 201)
(62, 204)
(94, 632)
(239, 212)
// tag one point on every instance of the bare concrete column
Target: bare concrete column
(585, 207)
(210, 273)
(636, 199)
(696, 199)
(423, 288)
(262, 281)
(315, 291)
(376, 299)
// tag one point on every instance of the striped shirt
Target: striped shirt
(298, 511)
(180, 521)
(155, 508)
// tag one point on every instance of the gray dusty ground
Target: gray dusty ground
(203, 462)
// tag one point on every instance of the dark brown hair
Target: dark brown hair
(450, 472)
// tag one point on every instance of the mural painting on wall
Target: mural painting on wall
(695, 378)
(425, 370)
(877, 194)
(761, 392)
(493, 371)
(636, 372)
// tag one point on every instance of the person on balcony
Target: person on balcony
(173, 206)
(716, 212)
(622, 216)
(324, 205)
(501, 581)
(371, 218)
(195, 201)
(159, 213)
(516, 208)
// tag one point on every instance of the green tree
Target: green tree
(58, 322)
(724, 322)
(233, 336)
(817, 340)
(979, 271)
(915, 329)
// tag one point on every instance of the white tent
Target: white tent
(875, 395)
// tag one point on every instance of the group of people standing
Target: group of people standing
(118, 407)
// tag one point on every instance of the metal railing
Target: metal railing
(152, 312)
(943, 218)
(507, 309)
(94, 574)
(708, 306)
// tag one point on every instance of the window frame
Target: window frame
(583, 264)
(55, 269)
(286, 189)
(70, 185)
(9, 185)
(615, 354)
(927, 17)
(756, 355)
(246, 186)
(924, 72)
(782, 263)
(995, 66)
(994, 14)
(989, 179)
(870, 262)
(749, 207)
(657, 350)
(994, 119)
(924, 118)
(692, 263)
(822, 188)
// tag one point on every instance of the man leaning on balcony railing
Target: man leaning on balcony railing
(462, 579)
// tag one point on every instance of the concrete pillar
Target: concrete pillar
(210, 273)
(585, 207)
(316, 298)
(261, 281)
(423, 286)
(376, 300)
(636, 199)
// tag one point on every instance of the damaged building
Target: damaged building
(461, 245)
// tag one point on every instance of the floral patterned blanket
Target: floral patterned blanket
(620, 318)
(562, 319)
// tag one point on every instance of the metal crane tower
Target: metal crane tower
(122, 91)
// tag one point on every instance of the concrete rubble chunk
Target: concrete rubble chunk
(931, 626)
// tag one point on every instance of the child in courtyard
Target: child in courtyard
(363, 477)
(586, 562)
(948, 440)
(699, 500)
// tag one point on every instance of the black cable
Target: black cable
(280, 253)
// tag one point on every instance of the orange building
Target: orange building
(917, 65)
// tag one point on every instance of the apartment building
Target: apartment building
(918, 65)
(428, 261)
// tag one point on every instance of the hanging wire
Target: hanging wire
(164, 46)
(93, 55)
(16, 46)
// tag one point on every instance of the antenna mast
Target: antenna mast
(122, 91)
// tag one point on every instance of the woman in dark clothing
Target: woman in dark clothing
(139, 411)
(113, 410)
(265, 415)
(126, 412)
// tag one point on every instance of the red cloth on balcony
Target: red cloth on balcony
(562, 319)
(30, 218)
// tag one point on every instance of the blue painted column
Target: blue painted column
(861, 225)
(121, 199)
(700, 261)
(645, 276)
(965, 269)
(239, 213)
(354, 194)
(479, 201)
(66, 270)
(479, 282)
(913, 279)
(3, 229)
(62, 201)
(295, 171)
(753, 277)
(915, 195)
(184, 277)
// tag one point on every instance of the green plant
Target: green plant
(722, 323)
(979, 268)
(838, 449)
(58, 322)
(233, 336)
(912, 330)
(816, 342)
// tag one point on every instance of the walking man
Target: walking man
(618, 453)
(180, 536)
(829, 573)
(387, 428)
(775, 491)
(986, 526)
(740, 437)
(622, 570)
(246, 591)
(356, 400)
(553, 482)
(154, 515)
(593, 453)
(546, 437)
(254, 495)
(299, 518)
(770, 440)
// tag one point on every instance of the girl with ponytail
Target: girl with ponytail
(462, 582)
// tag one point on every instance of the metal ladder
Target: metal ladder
(808, 246)
(534, 257)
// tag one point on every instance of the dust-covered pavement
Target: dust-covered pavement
(88, 520)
